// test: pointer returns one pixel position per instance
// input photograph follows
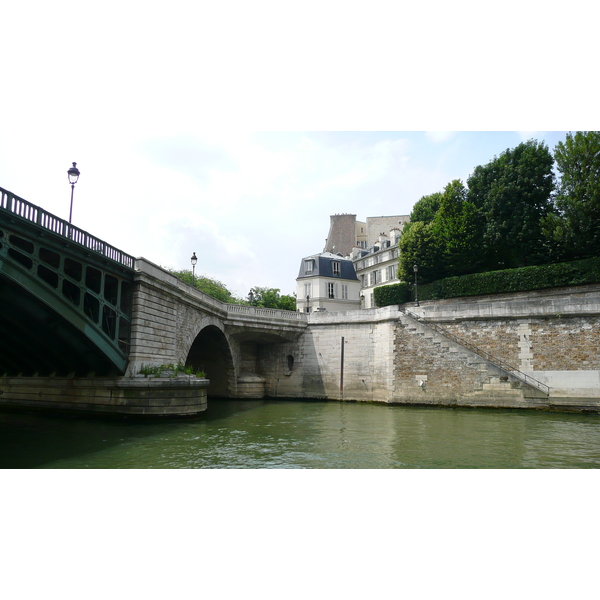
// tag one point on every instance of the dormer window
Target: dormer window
(309, 266)
(336, 267)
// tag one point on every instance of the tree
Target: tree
(457, 227)
(270, 298)
(426, 208)
(578, 195)
(419, 245)
(287, 302)
(211, 287)
(513, 195)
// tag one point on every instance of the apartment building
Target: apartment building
(327, 281)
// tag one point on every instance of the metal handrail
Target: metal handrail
(34, 214)
(480, 352)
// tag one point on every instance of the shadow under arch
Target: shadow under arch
(210, 352)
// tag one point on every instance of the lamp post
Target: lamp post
(416, 270)
(73, 174)
(308, 303)
(194, 260)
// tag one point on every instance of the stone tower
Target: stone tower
(342, 234)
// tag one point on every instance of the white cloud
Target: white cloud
(439, 136)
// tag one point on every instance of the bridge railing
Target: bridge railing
(30, 212)
(265, 312)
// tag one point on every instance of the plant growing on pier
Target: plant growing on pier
(170, 370)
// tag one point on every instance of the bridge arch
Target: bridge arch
(211, 352)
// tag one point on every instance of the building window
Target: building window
(307, 289)
(344, 291)
(391, 273)
(336, 267)
(330, 290)
(375, 277)
(309, 266)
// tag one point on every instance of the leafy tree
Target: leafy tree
(513, 195)
(287, 302)
(420, 245)
(458, 229)
(211, 287)
(270, 298)
(426, 208)
(577, 228)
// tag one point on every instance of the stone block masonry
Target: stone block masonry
(551, 336)
(566, 343)
(342, 234)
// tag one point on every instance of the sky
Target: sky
(209, 129)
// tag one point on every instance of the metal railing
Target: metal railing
(498, 362)
(34, 214)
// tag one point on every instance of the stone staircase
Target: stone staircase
(503, 385)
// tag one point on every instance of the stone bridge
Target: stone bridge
(234, 344)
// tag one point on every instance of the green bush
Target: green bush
(397, 293)
(578, 272)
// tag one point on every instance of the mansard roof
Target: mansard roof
(323, 267)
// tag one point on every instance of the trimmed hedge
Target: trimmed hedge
(397, 293)
(578, 272)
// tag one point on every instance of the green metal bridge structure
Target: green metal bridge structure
(65, 296)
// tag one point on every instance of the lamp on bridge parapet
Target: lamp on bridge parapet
(73, 174)
(194, 260)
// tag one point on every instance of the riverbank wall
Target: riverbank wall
(525, 350)
(177, 396)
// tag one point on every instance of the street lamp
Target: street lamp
(73, 174)
(416, 269)
(308, 303)
(194, 260)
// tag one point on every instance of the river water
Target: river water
(284, 434)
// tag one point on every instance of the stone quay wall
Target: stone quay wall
(552, 336)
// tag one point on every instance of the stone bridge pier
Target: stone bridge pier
(243, 350)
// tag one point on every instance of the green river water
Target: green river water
(284, 434)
